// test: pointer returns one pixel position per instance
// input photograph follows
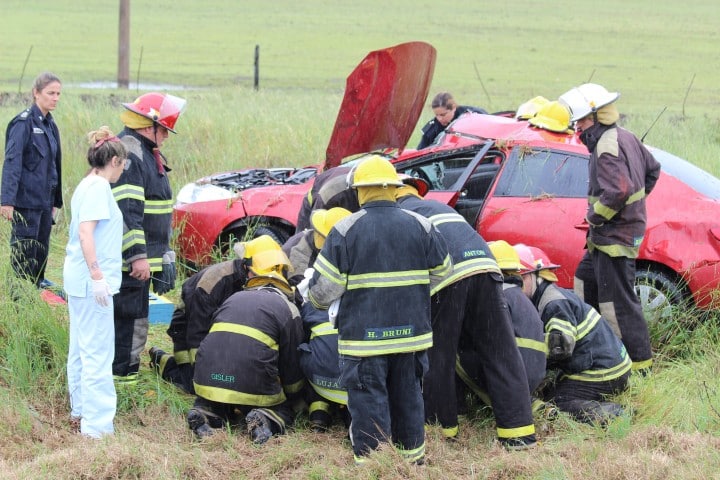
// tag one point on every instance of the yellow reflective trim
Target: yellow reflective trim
(516, 432)
(465, 377)
(603, 375)
(125, 191)
(636, 197)
(337, 396)
(412, 455)
(158, 207)
(294, 387)
(182, 357)
(531, 344)
(329, 271)
(604, 211)
(322, 329)
(388, 279)
(319, 407)
(441, 218)
(193, 354)
(232, 397)
(467, 268)
(586, 326)
(450, 432)
(561, 325)
(133, 237)
(247, 331)
(367, 348)
(642, 364)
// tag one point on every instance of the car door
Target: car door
(540, 199)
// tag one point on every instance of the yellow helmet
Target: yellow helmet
(323, 220)
(505, 255)
(375, 171)
(553, 116)
(530, 108)
(256, 245)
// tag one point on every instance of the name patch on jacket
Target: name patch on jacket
(221, 377)
(326, 382)
(389, 332)
(474, 253)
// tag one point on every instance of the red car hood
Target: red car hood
(384, 97)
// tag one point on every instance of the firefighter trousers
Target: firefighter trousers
(608, 284)
(385, 402)
(478, 304)
(132, 305)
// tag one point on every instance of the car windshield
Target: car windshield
(695, 177)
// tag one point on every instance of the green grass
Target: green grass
(490, 54)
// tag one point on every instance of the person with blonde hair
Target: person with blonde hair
(91, 276)
(31, 189)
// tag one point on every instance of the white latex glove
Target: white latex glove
(304, 286)
(333, 312)
(101, 292)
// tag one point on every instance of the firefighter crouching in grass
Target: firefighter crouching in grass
(319, 357)
(247, 369)
(591, 359)
(201, 295)
(381, 262)
(469, 304)
(526, 323)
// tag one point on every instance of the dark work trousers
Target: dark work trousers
(573, 396)
(486, 328)
(385, 402)
(180, 375)
(30, 242)
(132, 305)
(608, 284)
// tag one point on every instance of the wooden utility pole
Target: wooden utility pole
(123, 78)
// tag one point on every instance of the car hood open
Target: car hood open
(384, 97)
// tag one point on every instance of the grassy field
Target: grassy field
(490, 54)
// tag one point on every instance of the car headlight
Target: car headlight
(194, 193)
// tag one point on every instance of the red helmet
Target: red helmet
(534, 259)
(421, 185)
(161, 108)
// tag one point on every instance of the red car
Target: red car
(510, 180)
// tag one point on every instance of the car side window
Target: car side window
(535, 173)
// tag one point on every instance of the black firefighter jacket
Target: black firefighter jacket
(250, 357)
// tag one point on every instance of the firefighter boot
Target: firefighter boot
(198, 423)
(258, 426)
(319, 421)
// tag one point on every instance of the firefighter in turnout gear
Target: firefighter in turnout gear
(469, 304)
(202, 294)
(329, 190)
(319, 352)
(144, 196)
(382, 262)
(591, 359)
(622, 173)
(247, 369)
(528, 328)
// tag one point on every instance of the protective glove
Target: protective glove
(333, 312)
(101, 292)
(303, 287)
(165, 280)
(560, 346)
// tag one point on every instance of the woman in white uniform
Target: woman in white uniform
(91, 275)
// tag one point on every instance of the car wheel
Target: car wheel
(659, 293)
(276, 234)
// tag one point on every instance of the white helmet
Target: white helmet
(586, 99)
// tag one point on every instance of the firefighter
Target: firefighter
(591, 359)
(330, 189)
(381, 262)
(247, 369)
(622, 172)
(469, 304)
(303, 247)
(319, 352)
(527, 326)
(144, 196)
(201, 295)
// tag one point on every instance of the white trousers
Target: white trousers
(89, 365)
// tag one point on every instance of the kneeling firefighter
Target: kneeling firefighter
(202, 294)
(247, 368)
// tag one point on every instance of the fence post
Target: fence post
(256, 83)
